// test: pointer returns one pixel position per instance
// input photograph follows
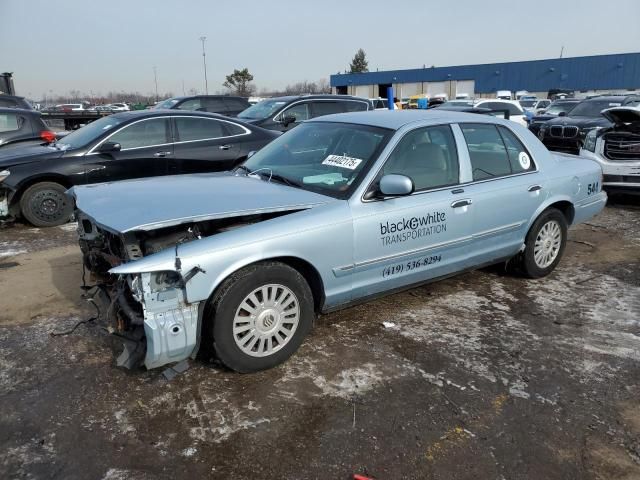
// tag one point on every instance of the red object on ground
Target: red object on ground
(361, 477)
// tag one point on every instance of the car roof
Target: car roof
(289, 98)
(184, 97)
(159, 112)
(396, 119)
(611, 98)
(18, 110)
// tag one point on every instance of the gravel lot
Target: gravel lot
(483, 376)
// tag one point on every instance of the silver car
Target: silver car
(342, 209)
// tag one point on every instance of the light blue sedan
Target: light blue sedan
(340, 210)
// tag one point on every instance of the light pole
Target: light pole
(155, 78)
(204, 64)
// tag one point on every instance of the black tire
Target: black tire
(45, 204)
(221, 312)
(529, 265)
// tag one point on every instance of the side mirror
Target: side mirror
(251, 154)
(562, 114)
(108, 147)
(394, 185)
(286, 120)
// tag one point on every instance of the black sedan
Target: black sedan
(33, 179)
(567, 133)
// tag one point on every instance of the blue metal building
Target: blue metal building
(593, 73)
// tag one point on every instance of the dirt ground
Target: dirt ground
(483, 376)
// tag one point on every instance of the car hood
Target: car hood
(580, 122)
(152, 203)
(620, 115)
(18, 155)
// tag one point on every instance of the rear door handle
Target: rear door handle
(161, 154)
(461, 203)
(224, 147)
(534, 188)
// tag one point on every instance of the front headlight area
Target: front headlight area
(590, 139)
(4, 174)
(171, 325)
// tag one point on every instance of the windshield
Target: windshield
(556, 108)
(88, 133)
(263, 109)
(325, 157)
(168, 103)
(527, 103)
(592, 108)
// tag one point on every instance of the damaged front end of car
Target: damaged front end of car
(150, 310)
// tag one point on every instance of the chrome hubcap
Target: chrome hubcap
(266, 320)
(547, 244)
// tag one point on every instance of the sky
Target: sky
(97, 46)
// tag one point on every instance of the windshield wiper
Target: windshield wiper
(279, 178)
(242, 167)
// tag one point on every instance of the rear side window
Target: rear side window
(356, 106)
(191, 104)
(233, 129)
(487, 152)
(235, 104)
(214, 105)
(519, 158)
(194, 128)
(319, 109)
(9, 122)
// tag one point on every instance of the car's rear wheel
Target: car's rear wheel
(545, 244)
(45, 204)
(260, 316)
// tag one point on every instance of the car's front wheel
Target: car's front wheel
(259, 316)
(45, 204)
(545, 244)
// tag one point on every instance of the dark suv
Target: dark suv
(222, 104)
(284, 113)
(11, 101)
(18, 127)
(567, 133)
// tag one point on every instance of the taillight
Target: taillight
(48, 136)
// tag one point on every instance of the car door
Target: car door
(298, 111)
(399, 241)
(145, 148)
(506, 189)
(205, 144)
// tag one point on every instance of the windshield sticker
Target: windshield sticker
(342, 161)
(614, 104)
(106, 127)
(525, 161)
(327, 179)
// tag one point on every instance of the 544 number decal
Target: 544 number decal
(593, 188)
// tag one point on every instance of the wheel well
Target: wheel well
(566, 208)
(32, 181)
(309, 273)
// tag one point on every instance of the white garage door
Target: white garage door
(437, 88)
(362, 91)
(408, 89)
(466, 86)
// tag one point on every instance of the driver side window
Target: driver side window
(146, 133)
(428, 156)
(300, 112)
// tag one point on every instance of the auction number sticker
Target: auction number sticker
(342, 161)
(525, 161)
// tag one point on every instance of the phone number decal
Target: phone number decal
(410, 265)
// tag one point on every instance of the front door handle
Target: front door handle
(224, 147)
(534, 188)
(461, 203)
(161, 154)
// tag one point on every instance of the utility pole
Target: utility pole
(155, 78)
(204, 64)
(561, 51)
